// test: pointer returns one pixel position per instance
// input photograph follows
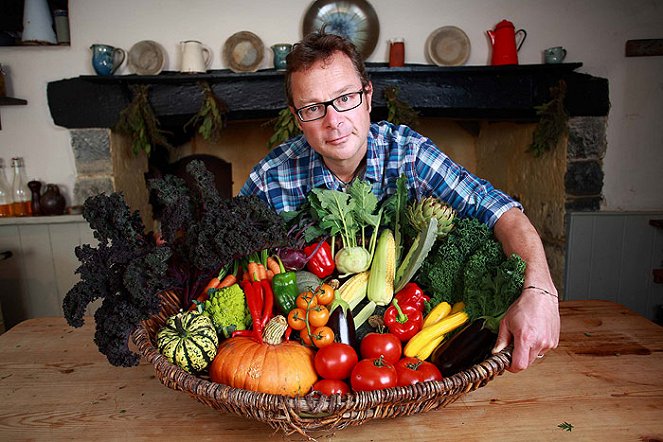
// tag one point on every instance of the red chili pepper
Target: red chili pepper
(255, 304)
(321, 263)
(412, 294)
(268, 304)
(288, 332)
(247, 333)
(405, 321)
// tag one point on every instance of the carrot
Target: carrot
(252, 270)
(270, 274)
(227, 281)
(273, 265)
(262, 271)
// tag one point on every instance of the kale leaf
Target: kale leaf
(201, 233)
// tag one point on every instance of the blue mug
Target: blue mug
(281, 50)
(106, 59)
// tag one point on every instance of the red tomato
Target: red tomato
(375, 345)
(413, 370)
(373, 374)
(335, 361)
(331, 386)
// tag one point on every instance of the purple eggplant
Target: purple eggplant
(343, 326)
(469, 346)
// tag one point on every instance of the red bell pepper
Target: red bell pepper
(321, 262)
(405, 321)
(412, 294)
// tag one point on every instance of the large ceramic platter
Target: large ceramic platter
(448, 46)
(243, 52)
(354, 19)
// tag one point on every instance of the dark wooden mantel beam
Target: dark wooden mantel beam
(466, 92)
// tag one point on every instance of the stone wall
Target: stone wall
(105, 164)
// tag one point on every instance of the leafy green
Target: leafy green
(348, 214)
(470, 266)
(395, 214)
(442, 271)
(415, 257)
(201, 233)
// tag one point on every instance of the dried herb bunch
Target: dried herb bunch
(285, 127)
(553, 122)
(201, 233)
(138, 122)
(399, 112)
(211, 118)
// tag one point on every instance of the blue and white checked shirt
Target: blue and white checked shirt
(290, 171)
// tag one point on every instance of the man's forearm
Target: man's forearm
(517, 235)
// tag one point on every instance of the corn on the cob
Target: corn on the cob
(383, 269)
(354, 289)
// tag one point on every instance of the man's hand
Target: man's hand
(532, 322)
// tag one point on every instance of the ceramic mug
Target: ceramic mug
(281, 51)
(106, 59)
(554, 55)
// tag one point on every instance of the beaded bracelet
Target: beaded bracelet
(541, 290)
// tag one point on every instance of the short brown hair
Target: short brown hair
(318, 46)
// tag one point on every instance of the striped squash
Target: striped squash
(189, 341)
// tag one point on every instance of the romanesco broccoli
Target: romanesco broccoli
(228, 310)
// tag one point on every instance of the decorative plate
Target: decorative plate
(354, 19)
(448, 46)
(243, 52)
(146, 57)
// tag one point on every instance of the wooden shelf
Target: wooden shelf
(11, 101)
(509, 93)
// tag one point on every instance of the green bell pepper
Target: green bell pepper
(284, 286)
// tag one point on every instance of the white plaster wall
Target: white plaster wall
(593, 31)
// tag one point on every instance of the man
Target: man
(330, 95)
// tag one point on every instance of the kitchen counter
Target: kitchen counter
(604, 380)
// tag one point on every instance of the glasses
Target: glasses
(343, 103)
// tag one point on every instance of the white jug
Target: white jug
(196, 57)
(37, 23)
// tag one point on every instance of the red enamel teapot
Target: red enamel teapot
(506, 45)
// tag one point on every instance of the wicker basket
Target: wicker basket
(309, 414)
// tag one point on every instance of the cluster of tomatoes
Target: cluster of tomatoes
(377, 363)
(381, 366)
(311, 315)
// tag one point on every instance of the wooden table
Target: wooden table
(605, 379)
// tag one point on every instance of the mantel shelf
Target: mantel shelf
(464, 92)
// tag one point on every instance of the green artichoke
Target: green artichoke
(419, 214)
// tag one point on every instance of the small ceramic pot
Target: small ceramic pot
(52, 202)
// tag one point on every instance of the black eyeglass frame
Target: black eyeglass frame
(328, 103)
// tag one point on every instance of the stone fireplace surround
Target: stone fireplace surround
(494, 104)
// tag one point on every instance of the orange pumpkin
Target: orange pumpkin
(272, 366)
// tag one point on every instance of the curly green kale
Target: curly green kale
(492, 284)
(126, 270)
(441, 273)
(228, 310)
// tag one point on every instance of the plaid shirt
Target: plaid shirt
(290, 171)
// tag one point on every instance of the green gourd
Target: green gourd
(189, 341)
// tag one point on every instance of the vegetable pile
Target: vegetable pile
(347, 294)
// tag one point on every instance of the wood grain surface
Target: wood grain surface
(605, 379)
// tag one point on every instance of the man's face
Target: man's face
(340, 137)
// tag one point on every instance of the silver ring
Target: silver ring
(539, 356)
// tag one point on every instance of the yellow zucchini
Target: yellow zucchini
(438, 313)
(433, 332)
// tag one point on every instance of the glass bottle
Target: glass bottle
(20, 191)
(5, 192)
